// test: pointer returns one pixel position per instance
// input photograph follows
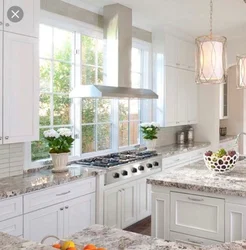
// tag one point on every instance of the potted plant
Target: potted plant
(150, 132)
(60, 143)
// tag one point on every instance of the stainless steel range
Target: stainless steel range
(124, 165)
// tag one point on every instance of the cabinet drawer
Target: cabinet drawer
(198, 215)
(175, 160)
(10, 208)
(191, 240)
(59, 194)
(12, 226)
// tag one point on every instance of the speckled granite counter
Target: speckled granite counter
(175, 149)
(227, 138)
(197, 177)
(42, 179)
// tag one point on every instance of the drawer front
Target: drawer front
(10, 208)
(175, 160)
(49, 197)
(191, 240)
(12, 226)
(198, 154)
(198, 215)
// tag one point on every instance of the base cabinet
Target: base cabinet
(12, 226)
(60, 220)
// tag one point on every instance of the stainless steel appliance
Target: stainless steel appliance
(125, 165)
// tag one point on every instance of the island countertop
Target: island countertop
(197, 177)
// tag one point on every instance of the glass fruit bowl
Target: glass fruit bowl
(221, 161)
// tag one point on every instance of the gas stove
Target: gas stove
(125, 165)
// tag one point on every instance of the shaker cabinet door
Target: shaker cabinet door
(21, 89)
(29, 24)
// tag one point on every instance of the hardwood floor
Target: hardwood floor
(141, 227)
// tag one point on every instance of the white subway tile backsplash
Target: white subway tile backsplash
(11, 160)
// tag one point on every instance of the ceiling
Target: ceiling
(188, 16)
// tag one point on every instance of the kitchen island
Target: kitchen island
(112, 239)
(190, 204)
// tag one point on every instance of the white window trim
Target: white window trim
(93, 31)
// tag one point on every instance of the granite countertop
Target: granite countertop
(227, 138)
(176, 149)
(29, 182)
(197, 177)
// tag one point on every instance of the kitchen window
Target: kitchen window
(67, 59)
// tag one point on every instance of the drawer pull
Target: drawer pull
(195, 242)
(63, 193)
(195, 199)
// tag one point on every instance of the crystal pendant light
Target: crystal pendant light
(241, 72)
(211, 63)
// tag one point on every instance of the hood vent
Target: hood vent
(118, 37)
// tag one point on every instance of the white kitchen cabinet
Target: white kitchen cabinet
(172, 49)
(47, 221)
(1, 83)
(79, 214)
(12, 226)
(186, 211)
(21, 89)
(1, 15)
(10, 208)
(224, 101)
(160, 217)
(29, 25)
(235, 222)
(144, 199)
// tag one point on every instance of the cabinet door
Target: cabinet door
(29, 25)
(129, 204)
(112, 207)
(21, 88)
(79, 214)
(171, 97)
(160, 216)
(182, 98)
(12, 226)
(47, 221)
(192, 98)
(172, 48)
(190, 55)
(1, 83)
(1, 14)
(144, 199)
(235, 222)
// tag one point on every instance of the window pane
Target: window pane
(104, 137)
(123, 134)
(44, 110)
(40, 149)
(62, 77)
(136, 80)
(104, 110)
(136, 60)
(134, 110)
(99, 76)
(100, 47)
(88, 111)
(63, 45)
(61, 110)
(134, 133)
(88, 75)
(45, 41)
(88, 138)
(45, 75)
(88, 50)
(123, 110)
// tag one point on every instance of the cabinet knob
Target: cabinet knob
(1, 138)
(7, 24)
(67, 207)
(6, 137)
(1, 23)
(62, 209)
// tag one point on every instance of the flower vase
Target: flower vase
(60, 162)
(151, 144)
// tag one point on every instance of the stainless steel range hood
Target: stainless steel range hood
(118, 37)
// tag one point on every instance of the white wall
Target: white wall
(235, 47)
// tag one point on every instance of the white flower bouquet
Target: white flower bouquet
(150, 130)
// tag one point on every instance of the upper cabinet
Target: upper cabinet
(174, 81)
(224, 101)
(29, 23)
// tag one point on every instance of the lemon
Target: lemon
(67, 245)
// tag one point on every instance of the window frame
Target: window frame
(81, 28)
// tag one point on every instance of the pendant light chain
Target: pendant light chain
(211, 19)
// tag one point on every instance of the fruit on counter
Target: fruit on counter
(90, 247)
(72, 248)
(101, 248)
(231, 153)
(68, 244)
(58, 246)
(221, 153)
(209, 153)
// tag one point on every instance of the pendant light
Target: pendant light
(211, 63)
(241, 72)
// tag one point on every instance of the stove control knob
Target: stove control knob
(149, 165)
(124, 173)
(116, 175)
(141, 168)
(156, 164)
(134, 170)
